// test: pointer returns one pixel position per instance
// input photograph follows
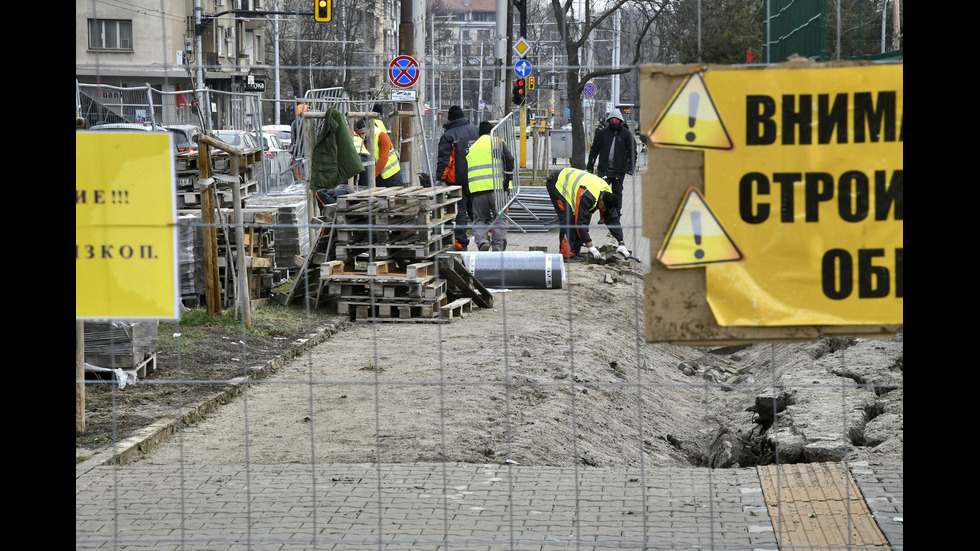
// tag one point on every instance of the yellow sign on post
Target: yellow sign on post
(812, 192)
(126, 264)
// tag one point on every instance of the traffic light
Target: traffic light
(321, 10)
(530, 83)
(520, 91)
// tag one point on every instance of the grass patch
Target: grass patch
(195, 325)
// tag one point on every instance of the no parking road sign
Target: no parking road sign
(589, 90)
(404, 71)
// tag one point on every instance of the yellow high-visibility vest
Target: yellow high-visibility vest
(391, 167)
(479, 163)
(570, 180)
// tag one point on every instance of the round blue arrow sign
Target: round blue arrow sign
(522, 68)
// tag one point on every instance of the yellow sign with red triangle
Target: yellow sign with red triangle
(690, 120)
(696, 237)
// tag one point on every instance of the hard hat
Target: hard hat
(300, 108)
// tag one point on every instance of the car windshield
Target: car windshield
(230, 138)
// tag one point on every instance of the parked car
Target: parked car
(238, 138)
(282, 131)
(185, 135)
(125, 127)
(271, 143)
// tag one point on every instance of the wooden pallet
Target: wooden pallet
(369, 308)
(364, 235)
(462, 283)
(451, 312)
(223, 197)
(401, 250)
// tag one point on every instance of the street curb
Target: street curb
(146, 439)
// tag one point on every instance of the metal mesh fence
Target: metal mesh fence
(577, 433)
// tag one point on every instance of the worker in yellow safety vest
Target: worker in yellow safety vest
(386, 166)
(488, 225)
(576, 195)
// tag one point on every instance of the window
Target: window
(110, 34)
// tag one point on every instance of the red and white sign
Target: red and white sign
(403, 71)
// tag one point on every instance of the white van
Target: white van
(282, 131)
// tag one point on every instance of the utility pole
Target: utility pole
(406, 46)
(500, 54)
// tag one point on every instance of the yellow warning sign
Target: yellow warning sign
(690, 120)
(126, 242)
(696, 237)
(813, 195)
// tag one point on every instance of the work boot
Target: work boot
(485, 246)
(574, 258)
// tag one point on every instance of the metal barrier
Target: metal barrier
(525, 219)
(205, 108)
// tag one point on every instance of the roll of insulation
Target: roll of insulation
(516, 269)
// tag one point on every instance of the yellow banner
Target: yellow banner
(125, 226)
(811, 194)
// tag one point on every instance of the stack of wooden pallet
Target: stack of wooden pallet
(398, 223)
(189, 182)
(382, 257)
(259, 248)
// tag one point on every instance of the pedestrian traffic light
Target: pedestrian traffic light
(520, 91)
(530, 83)
(321, 9)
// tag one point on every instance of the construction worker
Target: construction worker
(614, 148)
(479, 165)
(458, 134)
(386, 166)
(576, 195)
(296, 129)
(359, 130)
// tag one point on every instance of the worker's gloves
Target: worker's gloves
(594, 252)
(623, 251)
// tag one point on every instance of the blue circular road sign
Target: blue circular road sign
(522, 68)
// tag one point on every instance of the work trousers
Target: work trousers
(484, 213)
(568, 242)
(464, 210)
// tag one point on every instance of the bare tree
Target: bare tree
(575, 30)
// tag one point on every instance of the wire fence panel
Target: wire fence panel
(385, 398)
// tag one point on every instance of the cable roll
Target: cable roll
(516, 269)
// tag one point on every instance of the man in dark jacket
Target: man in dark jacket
(615, 149)
(460, 132)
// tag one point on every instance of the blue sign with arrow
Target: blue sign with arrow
(522, 68)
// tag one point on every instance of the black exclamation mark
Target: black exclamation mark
(696, 224)
(692, 114)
